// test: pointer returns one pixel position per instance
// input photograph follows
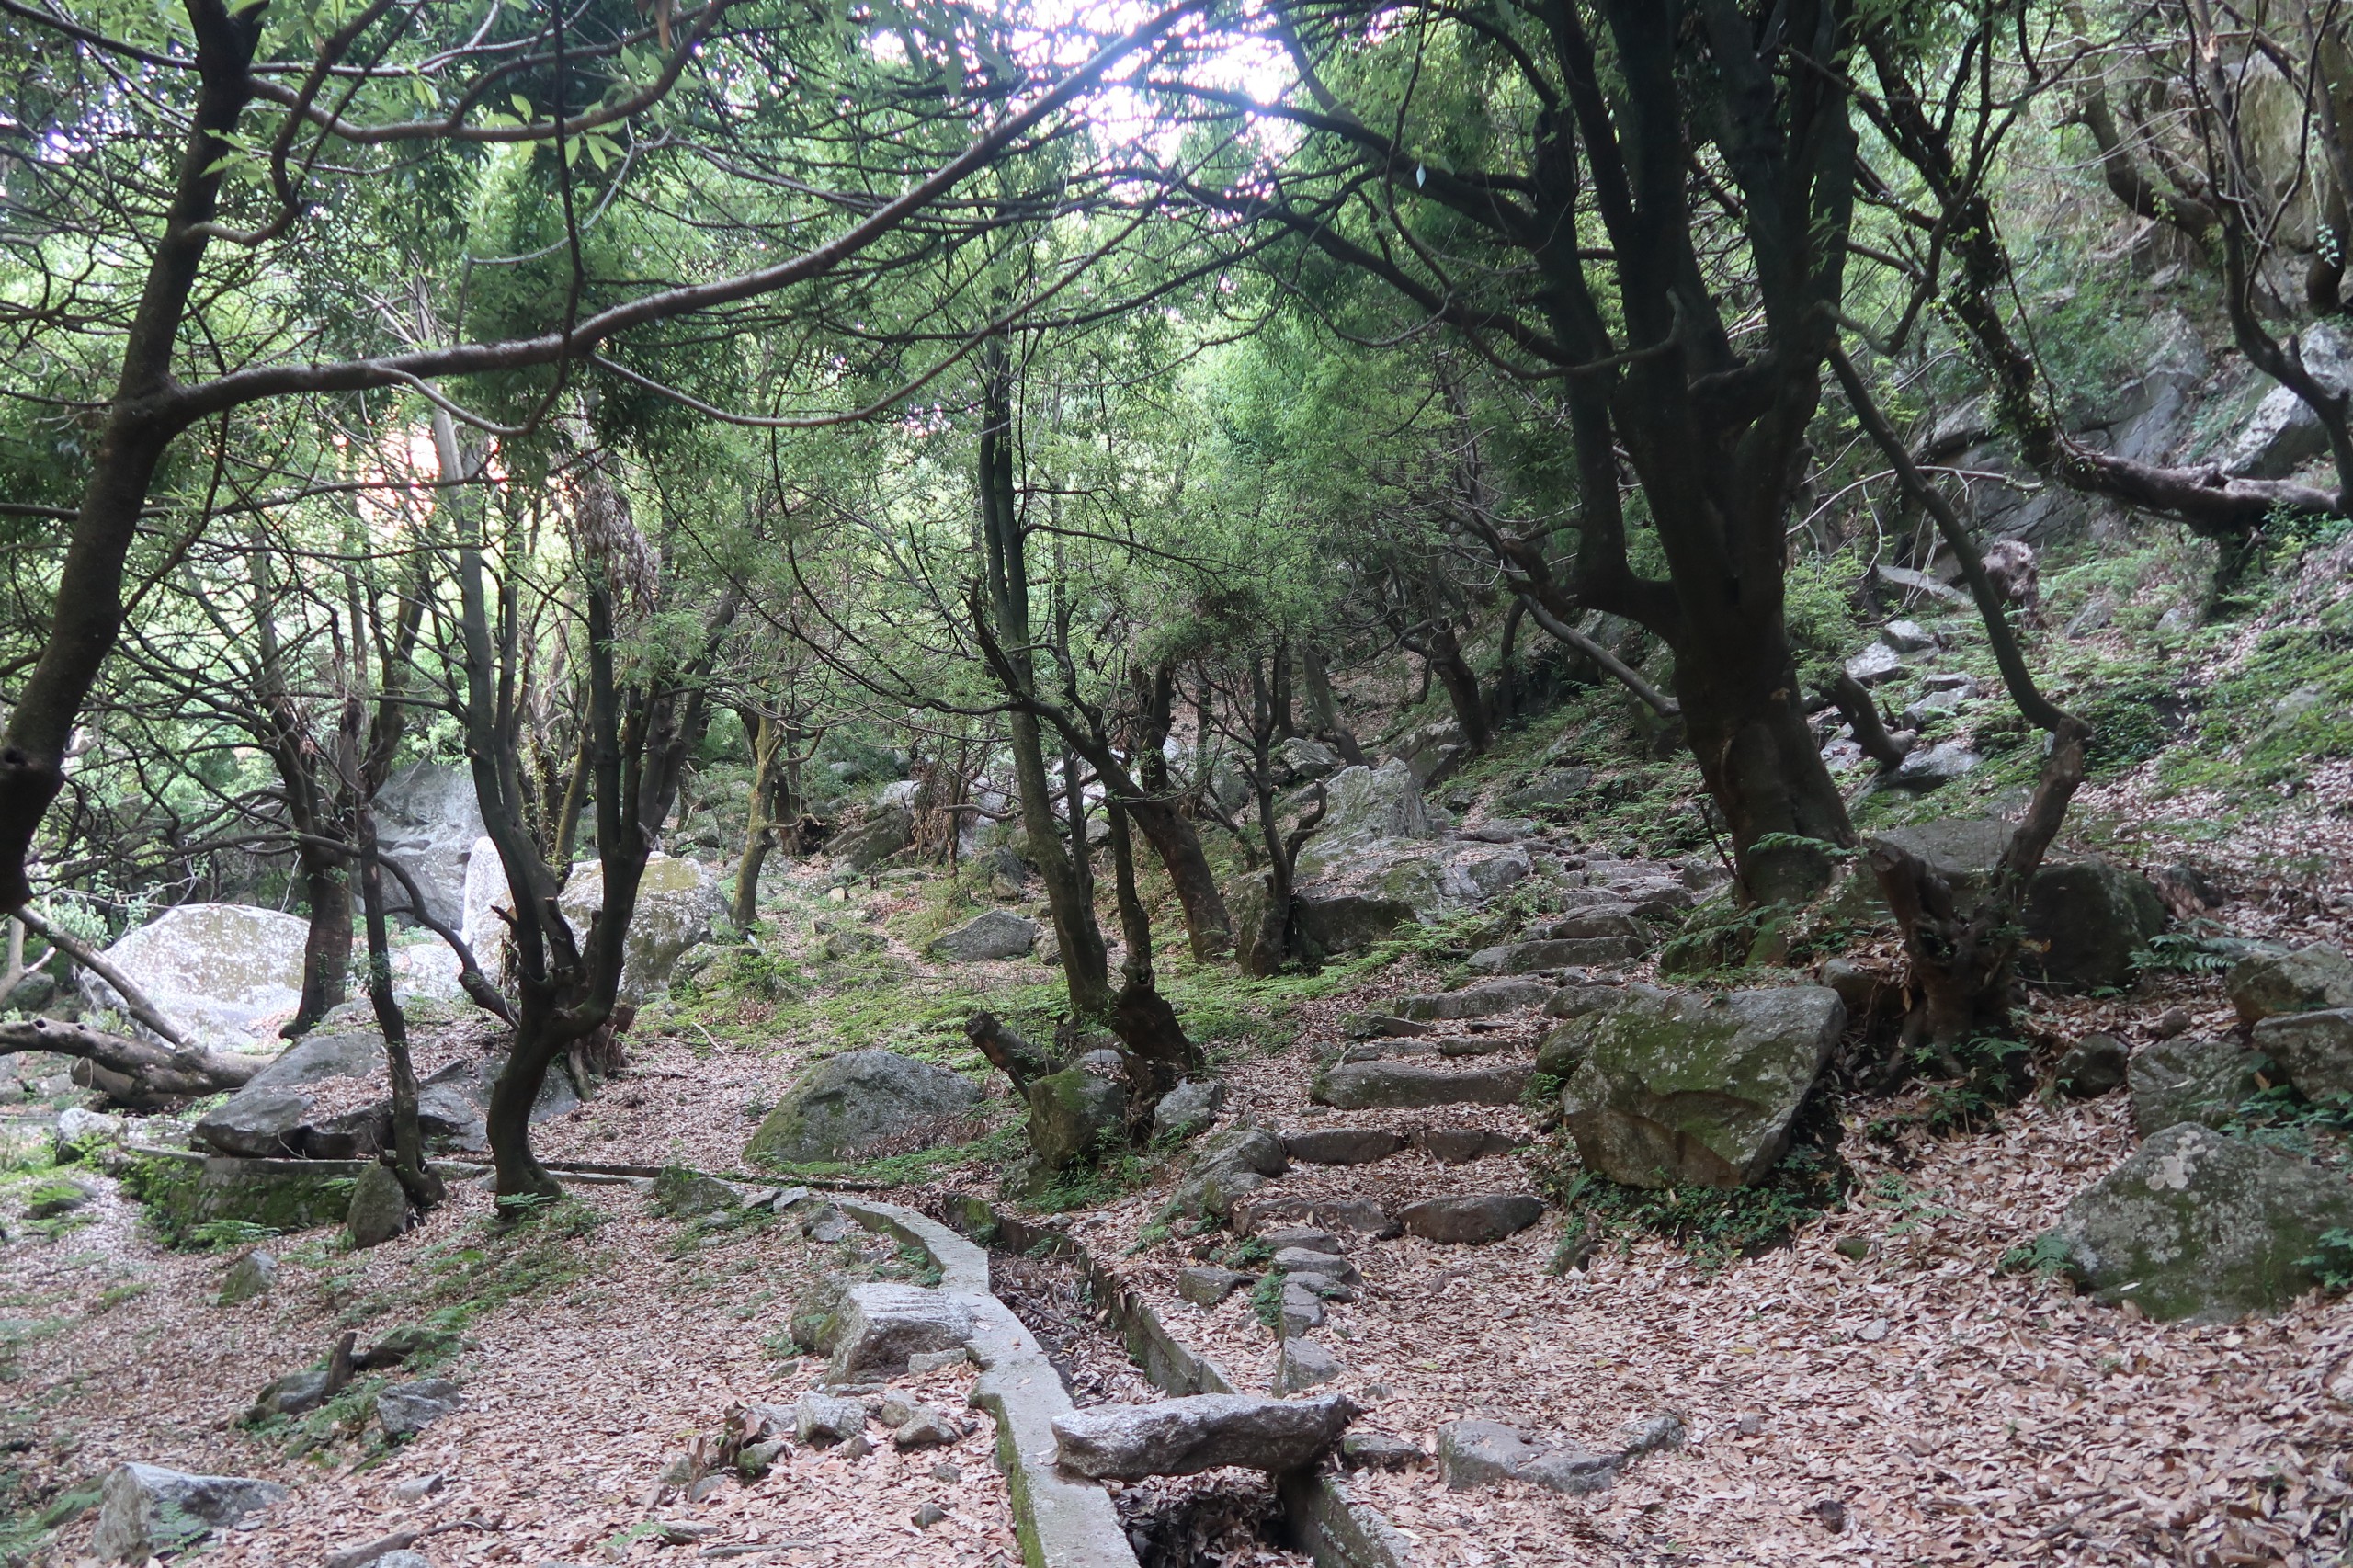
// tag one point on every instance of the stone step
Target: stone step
(1527, 957)
(1365, 1086)
(1482, 1000)
(1451, 1047)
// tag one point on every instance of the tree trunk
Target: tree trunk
(326, 947)
(143, 1075)
(406, 1157)
(1326, 708)
(1157, 1055)
(759, 829)
(1444, 654)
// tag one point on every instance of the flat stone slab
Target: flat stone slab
(880, 1325)
(1460, 1146)
(1480, 1001)
(1186, 1436)
(1368, 1086)
(1480, 1453)
(1528, 957)
(1472, 1220)
(1207, 1287)
(1359, 1215)
(1342, 1145)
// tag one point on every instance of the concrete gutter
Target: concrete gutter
(1330, 1526)
(1063, 1522)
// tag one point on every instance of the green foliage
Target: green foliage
(2045, 1257)
(1713, 1225)
(2181, 952)
(166, 1190)
(1267, 1301)
(1090, 1186)
(2333, 1262)
(218, 1235)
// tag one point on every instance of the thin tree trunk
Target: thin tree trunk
(1326, 708)
(407, 1156)
(759, 830)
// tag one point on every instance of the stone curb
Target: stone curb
(1337, 1530)
(1062, 1523)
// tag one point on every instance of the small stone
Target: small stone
(1907, 637)
(946, 1472)
(883, 1324)
(250, 1275)
(1477, 1453)
(929, 1514)
(926, 1361)
(856, 1448)
(928, 1426)
(1665, 1430)
(2311, 977)
(2173, 1021)
(1872, 1331)
(1875, 663)
(1473, 1220)
(1302, 1309)
(1207, 1287)
(1284, 1238)
(1361, 1215)
(1571, 1469)
(417, 1487)
(1460, 1146)
(2316, 1050)
(1379, 1451)
(1302, 1365)
(2093, 1066)
(406, 1409)
(1832, 1512)
(707, 1486)
(1305, 1260)
(758, 1458)
(1186, 1110)
(819, 1419)
(682, 1194)
(893, 1408)
(293, 1394)
(1749, 1424)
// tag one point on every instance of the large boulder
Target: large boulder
(2085, 919)
(2284, 433)
(482, 899)
(1209, 1431)
(1076, 1113)
(882, 834)
(1674, 1089)
(279, 1194)
(2316, 1050)
(993, 934)
(144, 1509)
(1300, 761)
(274, 1113)
(679, 903)
(229, 974)
(1363, 806)
(428, 819)
(2201, 1225)
(2311, 978)
(2189, 1079)
(849, 1102)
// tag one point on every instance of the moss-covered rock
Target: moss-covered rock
(858, 1099)
(1073, 1114)
(2085, 919)
(282, 1195)
(2190, 1079)
(2201, 1225)
(1676, 1088)
(2263, 986)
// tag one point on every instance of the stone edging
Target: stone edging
(1334, 1528)
(1063, 1522)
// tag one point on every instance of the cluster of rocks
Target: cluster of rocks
(835, 1417)
(2204, 1222)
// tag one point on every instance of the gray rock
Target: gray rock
(406, 1409)
(991, 934)
(1460, 1146)
(1907, 637)
(1588, 925)
(1481, 1453)
(1228, 1168)
(1186, 1436)
(2094, 1065)
(2085, 919)
(229, 974)
(1876, 664)
(853, 943)
(1342, 1145)
(1483, 1000)
(1653, 1435)
(1189, 1108)
(1303, 1365)
(271, 1115)
(1527, 957)
(2283, 434)
(250, 1275)
(55, 1199)
(927, 1426)
(1342, 922)
(929, 1515)
(428, 819)
(882, 834)
(881, 1324)
(682, 1194)
(1302, 1309)
(1471, 1220)
(2200, 1225)
(821, 1420)
(2316, 1050)
(847, 1102)
(1362, 806)
(416, 1488)
(1379, 1450)
(679, 903)
(2307, 980)
(144, 1509)
(2189, 1079)
(378, 1209)
(1206, 1287)
(1300, 761)
(1366, 1086)
(1314, 1260)
(79, 1128)
(284, 1195)
(1926, 767)
(295, 1393)
(404, 1558)
(1301, 1238)
(1075, 1114)
(1576, 1001)
(1559, 787)
(1360, 1216)
(1677, 1089)
(1950, 681)
(924, 1361)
